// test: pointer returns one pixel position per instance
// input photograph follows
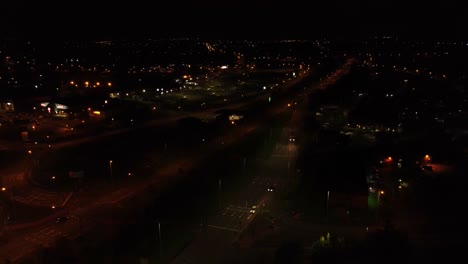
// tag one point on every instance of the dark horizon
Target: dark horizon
(240, 20)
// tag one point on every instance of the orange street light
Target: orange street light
(3, 189)
(427, 158)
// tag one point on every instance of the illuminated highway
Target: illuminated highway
(233, 216)
(225, 229)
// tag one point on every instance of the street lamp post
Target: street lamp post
(219, 194)
(110, 171)
(11, 194)
(378, 204)
(328, 199)
(160, 240)
(53, 181)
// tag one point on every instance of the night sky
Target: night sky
(232, 19)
